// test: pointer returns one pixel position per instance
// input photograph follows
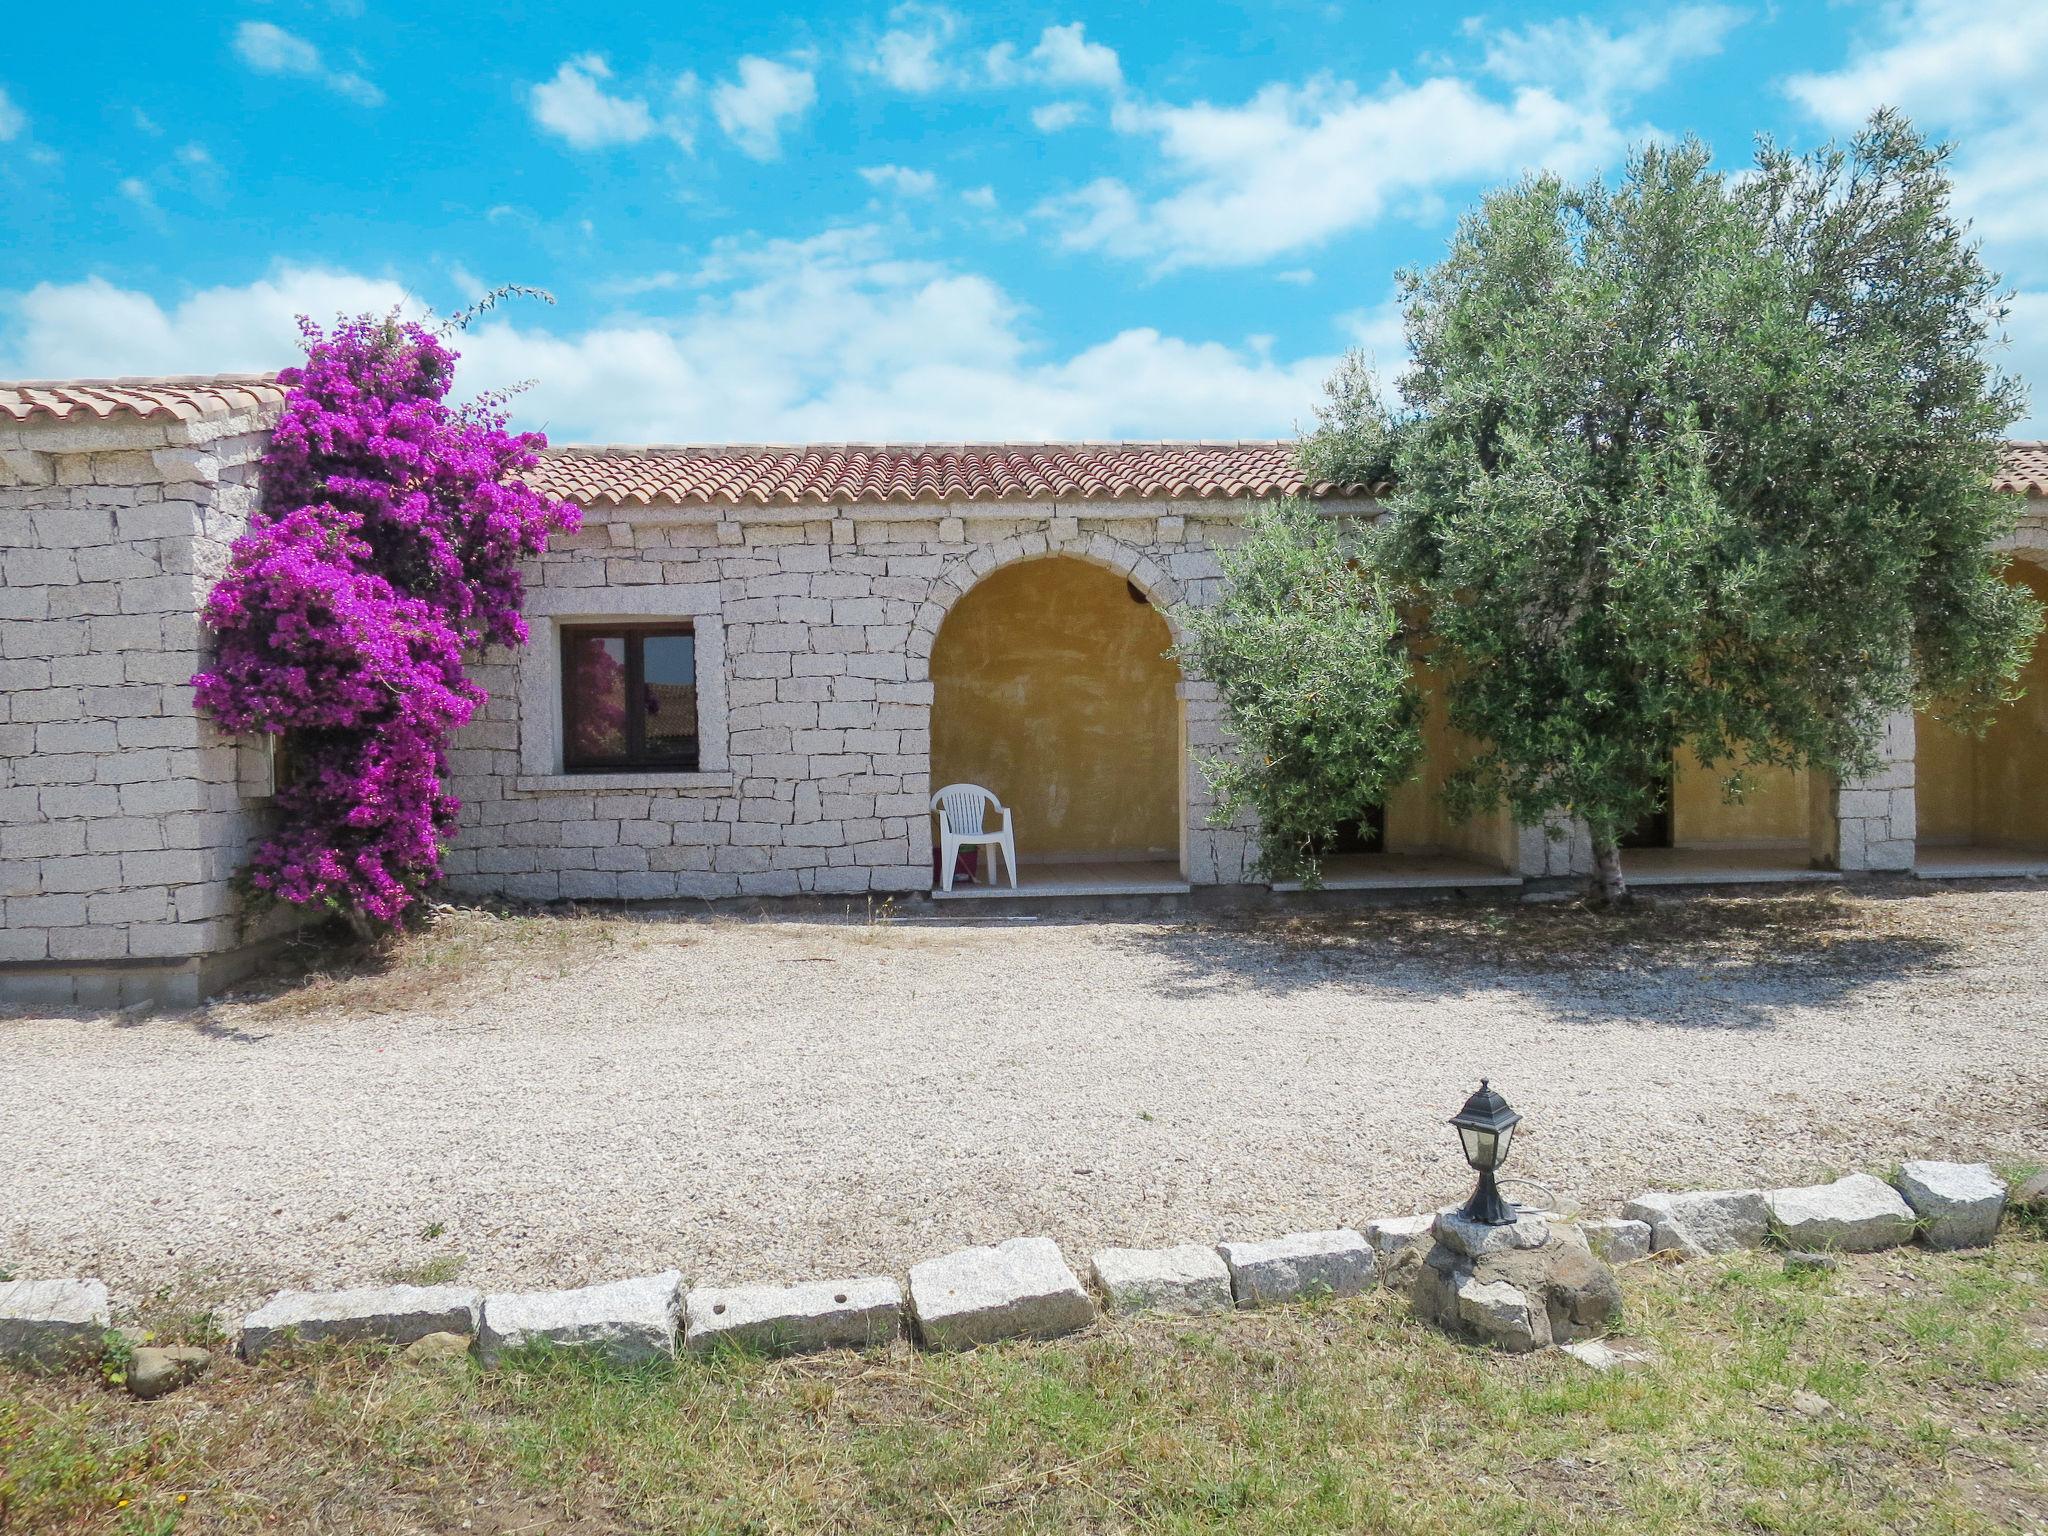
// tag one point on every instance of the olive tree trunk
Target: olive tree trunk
(1610, 885)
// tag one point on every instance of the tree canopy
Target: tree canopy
(1309, 653)
(1698, 459)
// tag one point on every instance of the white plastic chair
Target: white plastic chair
(961, 809)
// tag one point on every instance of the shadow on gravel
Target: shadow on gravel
(1688, 962)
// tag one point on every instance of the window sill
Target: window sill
(653, 779)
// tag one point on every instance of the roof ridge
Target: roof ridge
(1010, 445)
(143, 381)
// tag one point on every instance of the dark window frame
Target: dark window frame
(637, 758)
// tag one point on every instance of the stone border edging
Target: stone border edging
(1023, 1287)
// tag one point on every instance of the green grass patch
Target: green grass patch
(1904, 1392)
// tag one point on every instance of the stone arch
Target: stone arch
(1975, 803)
(964, 572)
(2028, 546)
(968, 574)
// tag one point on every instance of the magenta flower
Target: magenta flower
(388, 545)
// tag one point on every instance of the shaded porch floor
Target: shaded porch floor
(1720, 866)
(1405, 872)
(1107, 877)
(1977, 863)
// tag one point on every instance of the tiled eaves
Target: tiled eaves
(2025, 469)
(767, 477)
(189, 398)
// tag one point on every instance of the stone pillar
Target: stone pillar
(1874, 816)
(1559, 848)
(123, 814)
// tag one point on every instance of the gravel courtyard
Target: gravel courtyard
(547, 1100)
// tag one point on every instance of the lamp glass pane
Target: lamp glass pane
(1500, 1156)
(1478, 1145)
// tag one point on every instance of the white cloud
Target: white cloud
(137, 191)
(900, 179)
(983, 197)
(754, 107)
(357, 89)
(1063, 56)
(1576, 57)
(574, 106)
(1057, 116)
(13, 121)
(1951, 59)
(92, 329)
(1297, 165)
(910, 55)
(270, 50)
(834, 338)
(1969, 67)
(2027, 358)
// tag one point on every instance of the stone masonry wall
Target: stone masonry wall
(814, 632)
(122, 819)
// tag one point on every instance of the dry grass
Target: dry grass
(460, 952)
(456, 953)
(1907, 1392)
(1881, 925)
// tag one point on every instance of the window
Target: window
(629, 697)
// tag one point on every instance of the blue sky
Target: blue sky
(857, 222)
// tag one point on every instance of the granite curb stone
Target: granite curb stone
(792, 1319)
(627, 1322)
(1700, 1222)
(1616, 1240)
(1959, 1205)
(1299, 1265)
(1857, 1214)
(1188, 1279)
(53, 1322)
(389, 1314)
(1020, 1288)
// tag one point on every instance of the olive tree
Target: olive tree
(1703, 460)
(1307, 648)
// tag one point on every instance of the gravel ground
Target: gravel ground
(556, 1099)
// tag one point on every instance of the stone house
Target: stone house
(747, 673)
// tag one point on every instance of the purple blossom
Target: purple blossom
(388, 545)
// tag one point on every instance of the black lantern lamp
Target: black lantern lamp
(1486, 1125)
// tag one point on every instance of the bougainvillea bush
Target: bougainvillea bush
(387, 545)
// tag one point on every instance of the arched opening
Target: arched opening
(1416, 843)
(1702, 836)
(1981, 804)
(1052, 688)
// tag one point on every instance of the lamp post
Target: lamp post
(1486, 1125)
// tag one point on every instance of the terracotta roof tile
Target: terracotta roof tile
(765, 475)
(762, 475)
(2025, 469)
(192, 398)
(817, 474)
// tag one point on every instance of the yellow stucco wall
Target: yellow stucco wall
(1944, 782)
(1992, 792)
(1051, 687)
(1777, 811)
(1416, 819)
